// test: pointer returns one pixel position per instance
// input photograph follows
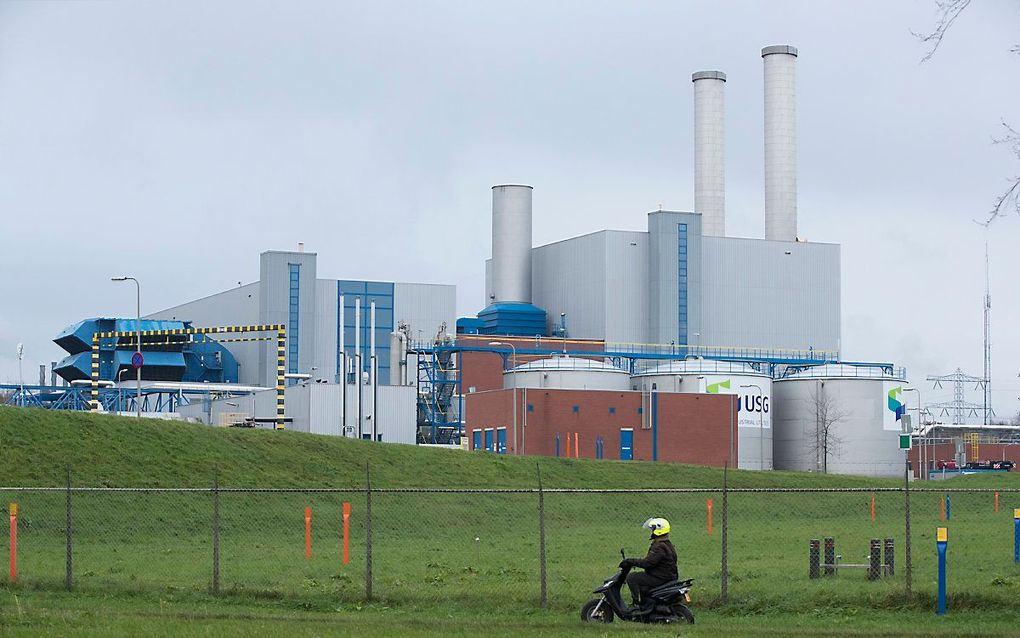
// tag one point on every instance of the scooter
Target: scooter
(666, 603)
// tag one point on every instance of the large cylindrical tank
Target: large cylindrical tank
(511, 243)
(567, 373)
(840, 419)
(753, 390)
(780, 62)
(710, 151)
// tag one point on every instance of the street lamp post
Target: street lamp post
(21, 376)
(138, 330)
(120, 390)
(761, 425)
(923, 460)
(513, 364)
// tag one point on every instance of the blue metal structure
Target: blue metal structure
(512, 319)
(186, 358)
(76, 397)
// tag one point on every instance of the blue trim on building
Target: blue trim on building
(294, 319)
(682, 246)
(368, 291)
(655, 426)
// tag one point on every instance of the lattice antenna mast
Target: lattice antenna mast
(988, 342)
(957, 408)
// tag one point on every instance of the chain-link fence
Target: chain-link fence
(515, 548)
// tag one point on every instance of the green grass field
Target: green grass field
(453, 563)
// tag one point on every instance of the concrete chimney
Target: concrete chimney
(511, 243)
(710, 151)
(780, 142)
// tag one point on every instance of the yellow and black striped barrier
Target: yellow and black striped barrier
(281, 349)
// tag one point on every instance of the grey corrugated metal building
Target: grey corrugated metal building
(319, 315)
(315, 408)
(672, 284)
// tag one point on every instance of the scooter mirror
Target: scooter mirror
(622, 554)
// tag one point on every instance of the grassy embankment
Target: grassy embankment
(426, 555)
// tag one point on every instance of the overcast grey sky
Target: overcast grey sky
(174, 141)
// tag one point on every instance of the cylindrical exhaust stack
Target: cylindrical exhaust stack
(511, 243)
(780, 142)
(710, 151)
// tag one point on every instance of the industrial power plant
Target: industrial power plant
(678, 343)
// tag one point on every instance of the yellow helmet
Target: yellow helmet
(659, 526)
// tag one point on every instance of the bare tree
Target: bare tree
(946, 13)
(828, 415)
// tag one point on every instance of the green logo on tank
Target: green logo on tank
(714, 388)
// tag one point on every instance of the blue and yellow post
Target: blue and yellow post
(1016, 535)
(941, 542)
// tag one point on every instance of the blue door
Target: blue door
(488, 440)
(501, 441)
(626, 444)
(476, 439)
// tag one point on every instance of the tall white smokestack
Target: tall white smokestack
(511, 243)
(710, 151)
(780, 142)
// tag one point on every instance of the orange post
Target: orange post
(709, 504)
(942, 509)
(577, 447)
(347, 532)
(996, 501)
(872, 508)
(14, 543)
(568, 445)
(308, 533)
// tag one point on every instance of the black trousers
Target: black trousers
(640, 582)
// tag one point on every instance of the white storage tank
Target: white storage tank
(754, 399)
(840, 419)
(567, 373)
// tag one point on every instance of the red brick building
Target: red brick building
(668, 427)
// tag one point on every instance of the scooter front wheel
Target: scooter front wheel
(593, 612)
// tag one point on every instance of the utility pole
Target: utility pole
(988, 342)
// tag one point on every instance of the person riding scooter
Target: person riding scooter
(659, 564)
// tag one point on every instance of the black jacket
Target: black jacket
(660, 562)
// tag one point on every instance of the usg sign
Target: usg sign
(752, 406)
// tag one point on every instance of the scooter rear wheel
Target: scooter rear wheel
(683, 614)
(604, 613)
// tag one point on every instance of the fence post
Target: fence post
(368, 533)
(907, 569)
(813, 567)
(68, 573)
(830, 556)
(216, 530)
(889, 558)
(724, 570)
(874, 559)
(541, 539)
